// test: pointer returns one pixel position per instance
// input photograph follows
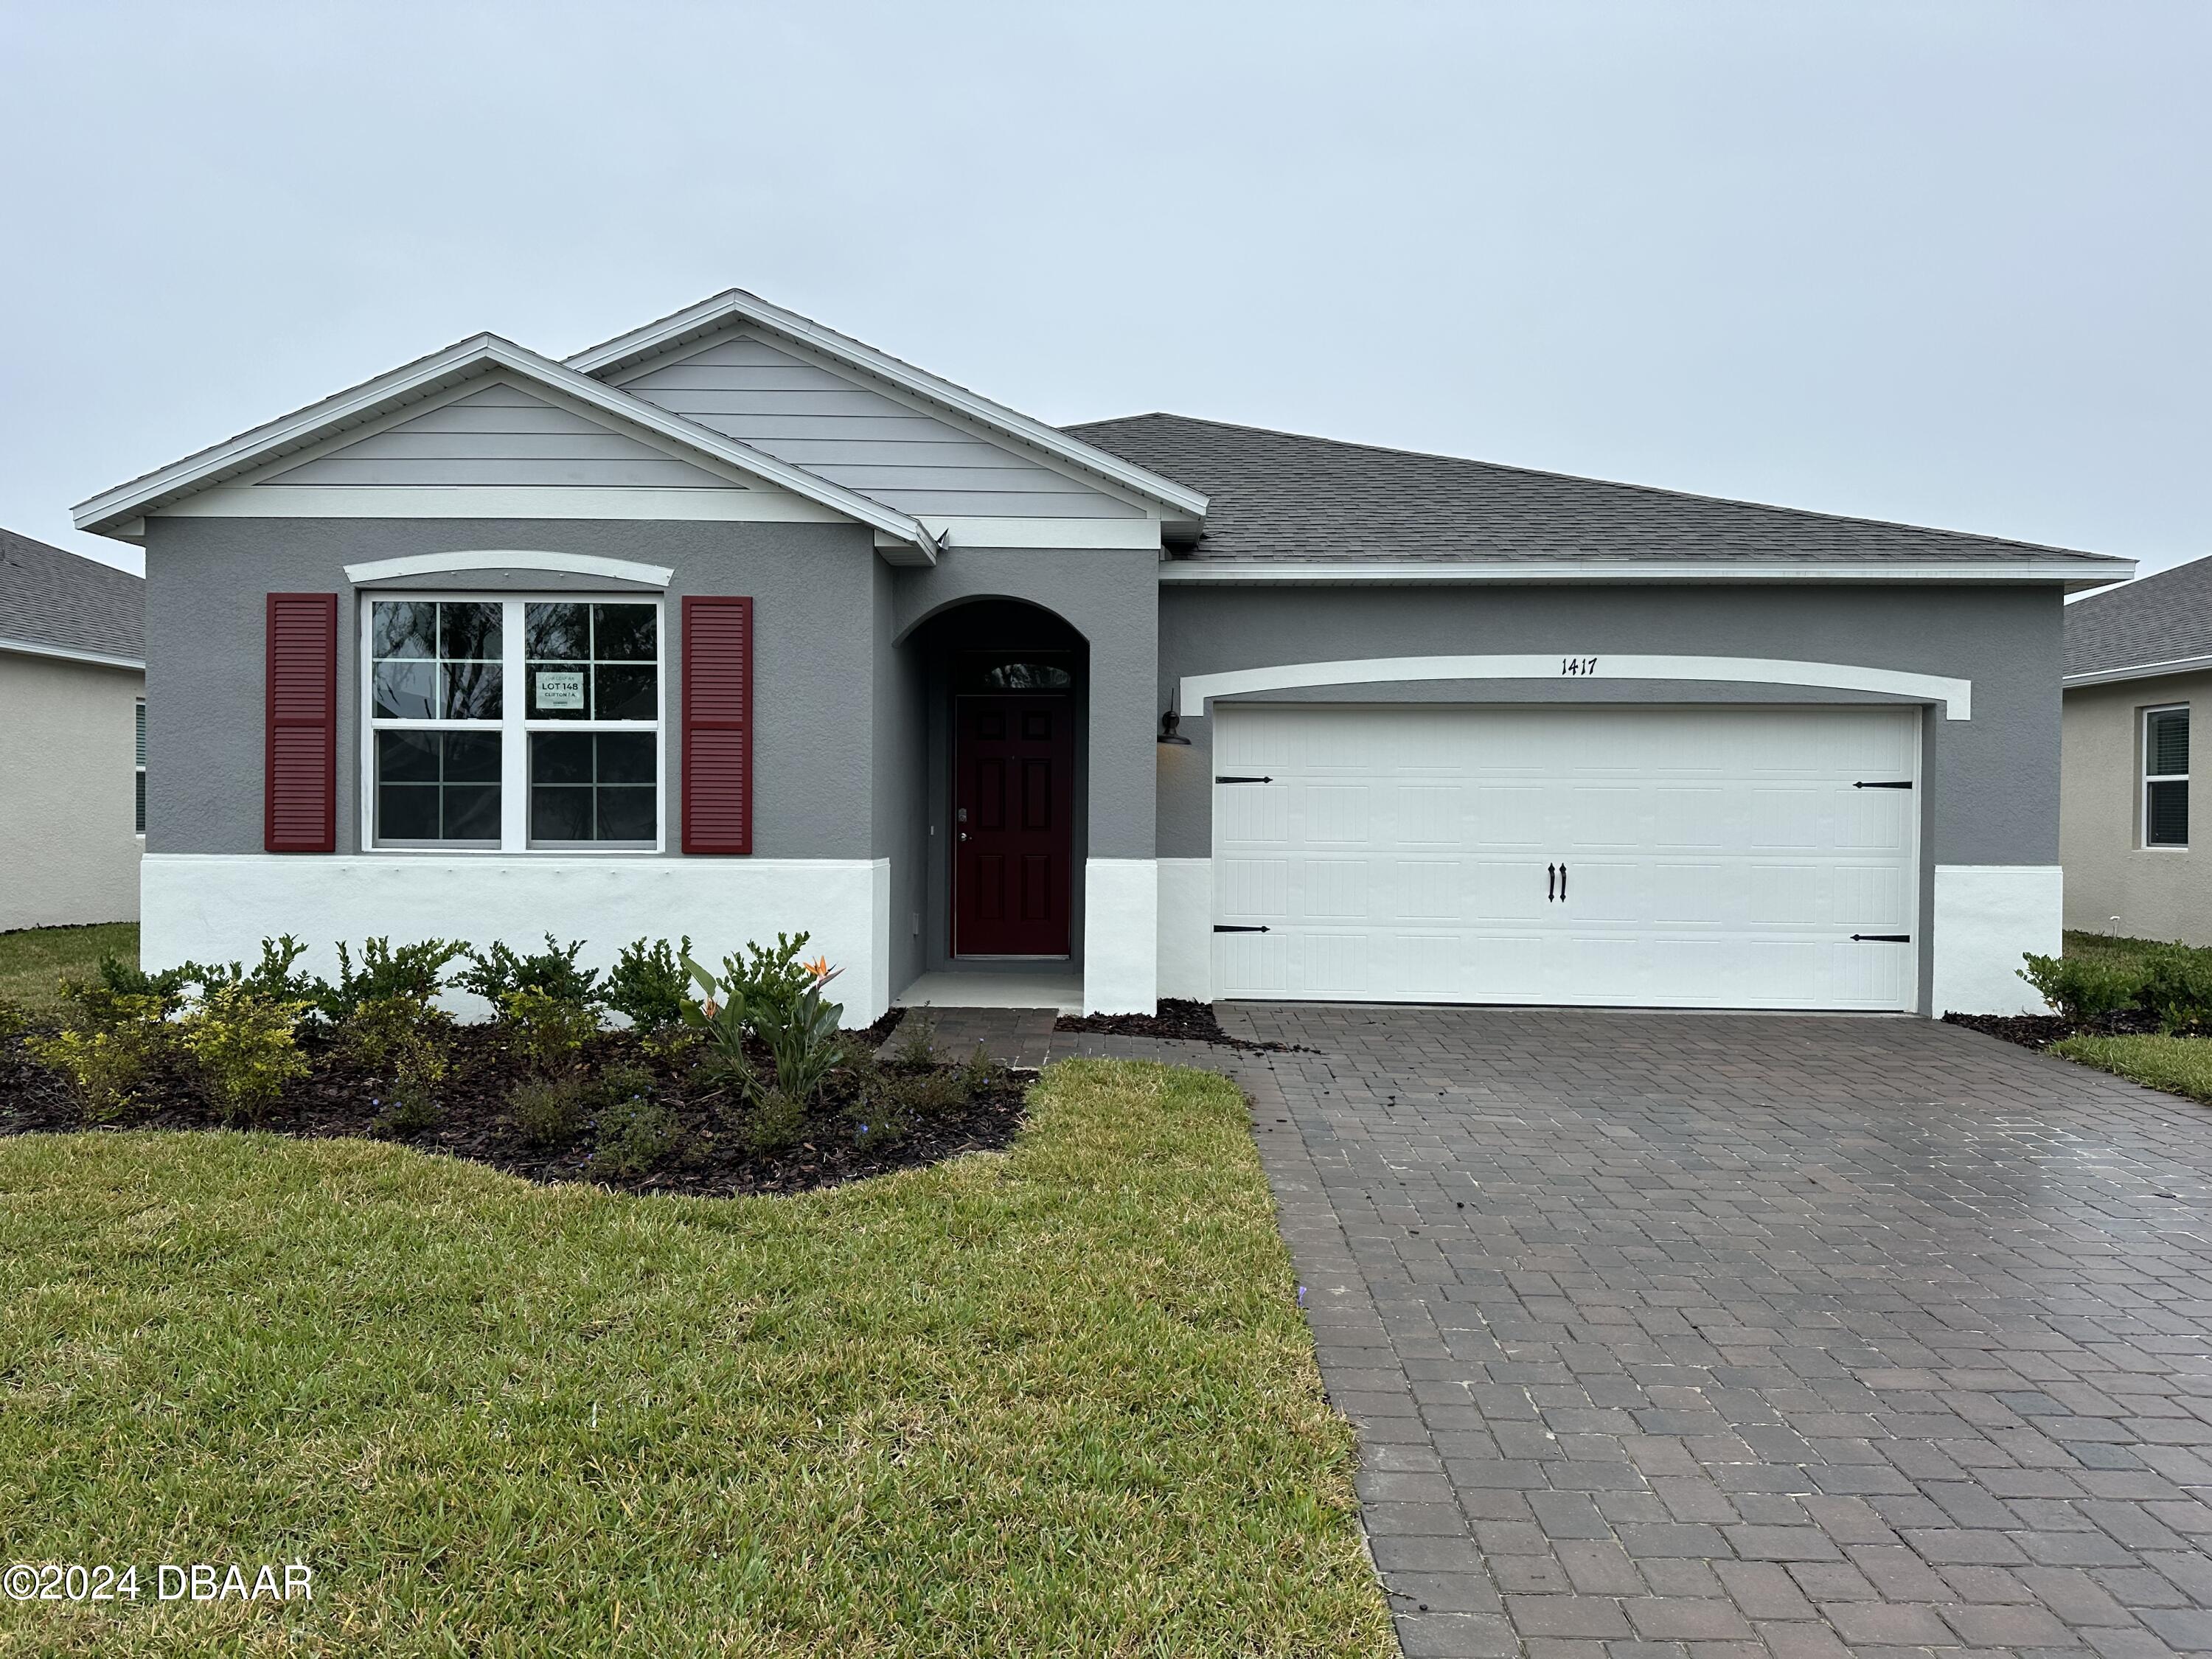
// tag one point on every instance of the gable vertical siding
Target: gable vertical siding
(751, 391)
(502, 436)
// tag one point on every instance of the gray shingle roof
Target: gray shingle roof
(1280, 496)
(2162, 618)
(48, 596)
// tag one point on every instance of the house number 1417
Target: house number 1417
(1578, 665)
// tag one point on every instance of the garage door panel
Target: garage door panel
(1716, 857)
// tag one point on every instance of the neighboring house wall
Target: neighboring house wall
(67, 749)
(1989, 803)
(2114, 883)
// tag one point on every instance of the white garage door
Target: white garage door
(1742, 858)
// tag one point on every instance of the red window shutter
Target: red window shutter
(300, 803)
(718, 724)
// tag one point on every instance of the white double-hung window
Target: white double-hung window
(498, 724)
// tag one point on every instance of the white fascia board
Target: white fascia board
(422, 378)
(70, 653)
(737, 304)
(1043, 533)
(2143, 671)
(735, 504)
(2075, 573)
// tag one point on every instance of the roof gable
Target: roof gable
(470, 360)
(735, 308)
(891, 449)
(500, 435)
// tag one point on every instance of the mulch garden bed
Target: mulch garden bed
(337, 1100)
(1177, 1021)
(2041, 1030)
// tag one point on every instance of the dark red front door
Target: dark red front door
(1013, 794)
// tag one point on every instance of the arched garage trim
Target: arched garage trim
(1956, 695)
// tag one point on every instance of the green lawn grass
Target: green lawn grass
(2180, 1066)
(1054, 1400)
(33, 960)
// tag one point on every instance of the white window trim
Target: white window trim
(2145, 777)
(514, 726)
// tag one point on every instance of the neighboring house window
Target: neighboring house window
(513, 723)
(141, 766)
(2165, 777)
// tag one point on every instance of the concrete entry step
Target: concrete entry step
(1057, 994)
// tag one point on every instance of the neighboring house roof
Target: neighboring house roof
(476, 357)
(1285, 500)
(54, 604)
(2159, 625)
(735, 305)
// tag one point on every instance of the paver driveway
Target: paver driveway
(1710, 1336)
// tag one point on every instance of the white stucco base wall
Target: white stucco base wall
(1120, 936)
(220, 907)
(1187, 928)
(1987, 917)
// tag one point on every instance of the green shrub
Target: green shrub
(803, 1040)
(106, 1063)
(272, 977)
(407, 1111)
(637, 1134)
(776, 1120)
(416, 972)
(548, 1031)
(917, 1048)
(2084, 988)
(243, 1050)
(548, 1111)
(650, 985)
(128, 979)
(496, 974)
(402, 1038)
(984, 1072)
(16, 1020)
(929, 1094)
(2178, 989)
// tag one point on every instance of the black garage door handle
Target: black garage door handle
(1881, 938)
(1232, 927)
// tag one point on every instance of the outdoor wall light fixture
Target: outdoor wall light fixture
(1169, 722)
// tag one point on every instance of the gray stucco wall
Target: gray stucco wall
(815, 587)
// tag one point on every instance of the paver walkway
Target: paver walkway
(1700, 1336)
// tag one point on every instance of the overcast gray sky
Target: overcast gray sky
(1939, 261)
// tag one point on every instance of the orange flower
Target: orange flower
(819, 970)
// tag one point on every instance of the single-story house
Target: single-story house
(72, 737)
(733, 624)
(2137, 659)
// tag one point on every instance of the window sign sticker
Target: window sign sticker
(560, 687)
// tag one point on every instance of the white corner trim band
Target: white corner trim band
(1956, 695)
(579, 564)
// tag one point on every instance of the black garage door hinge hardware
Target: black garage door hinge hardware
(1243, 779)
(1235, 927)
(1901, 783)
(1881, 938)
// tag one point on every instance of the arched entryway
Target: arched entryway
(994, 898)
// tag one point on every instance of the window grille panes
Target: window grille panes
(436, 659)
(592, 661)
(591, 786)
(437, 786)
